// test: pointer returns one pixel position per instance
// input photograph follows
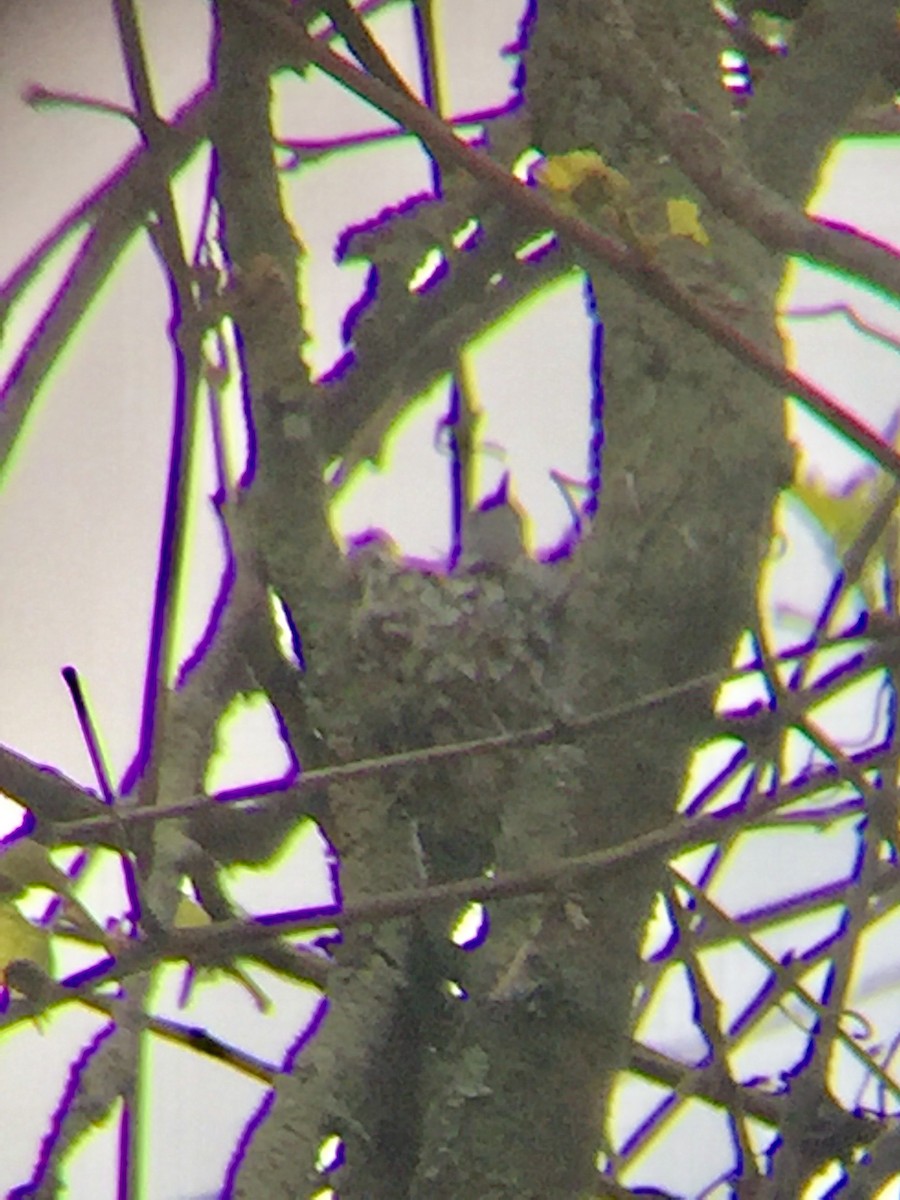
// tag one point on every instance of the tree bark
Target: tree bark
(506, 1093)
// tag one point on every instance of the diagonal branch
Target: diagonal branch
(228, 939)
(368, 51)
(790, 232)
(836, 51)
(706, 158)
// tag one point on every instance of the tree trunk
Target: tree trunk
(505, 1094)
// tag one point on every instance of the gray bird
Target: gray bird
(492, 537)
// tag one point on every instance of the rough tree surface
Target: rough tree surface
(489, 1071)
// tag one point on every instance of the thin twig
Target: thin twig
(807, 237)
(49, 995)
(555, 732)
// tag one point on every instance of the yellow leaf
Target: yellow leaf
(25, 863)
(20, 939)
(684, 220)
(638, 210)
(566, 172)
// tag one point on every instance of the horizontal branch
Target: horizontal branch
(43, 994)
(229, 939)
(207, 947)
(111, 828)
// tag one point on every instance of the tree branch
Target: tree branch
(776, 223)
(836, 51)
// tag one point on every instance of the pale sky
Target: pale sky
(79, 516)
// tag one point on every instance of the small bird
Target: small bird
(492, 536)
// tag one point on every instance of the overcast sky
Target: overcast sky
(81, 501)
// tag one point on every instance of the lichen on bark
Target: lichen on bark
(693, 456)
(506, 1093)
